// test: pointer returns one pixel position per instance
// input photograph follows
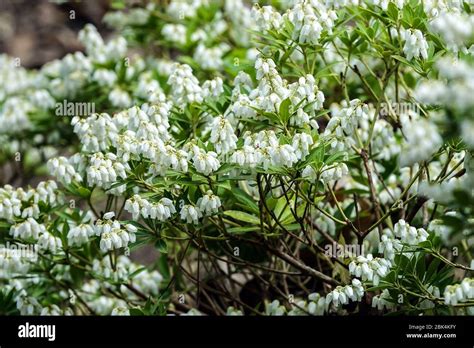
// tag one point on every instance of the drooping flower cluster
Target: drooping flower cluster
(161, 210)
(112, 234)
(459, 293)
(271, 126)
(370, 268)
(403, 234)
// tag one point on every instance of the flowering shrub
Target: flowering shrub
(306, 157)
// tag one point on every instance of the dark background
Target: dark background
(38, 31)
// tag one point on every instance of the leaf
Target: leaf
(285, 110)
(401, 59)
(163, 266)
(336, 158)
(432, 270)
(392, 11)
(247, 202)
(83, 192)
(4, 224)
(244, 229)
(225, 168)
(161, 245)
(118, 4)
(140, 270)
(241, 216)
(136, 312)
(466, 6)
(316, 156)
(421, 266)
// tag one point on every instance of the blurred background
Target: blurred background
(38, 31)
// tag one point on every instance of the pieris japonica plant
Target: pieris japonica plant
(303, 157)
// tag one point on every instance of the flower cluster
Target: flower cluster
(246, 142)
(459, 293)
(370, 268)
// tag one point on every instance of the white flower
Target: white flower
(49, 242)
(455, 28)
(110, 241)
(42, 99)
(104, 170)
(467, 132)
(274, 308)
(453, 89)
(174, 33)
(51, 310)
(382, 301)
(389, 245)
(109, 215)
(206, 162)
(190, 214)
(344, 123)
(242, 107)
(342, 294)
(12, 261)
(10, 206)
(185, 86)
(120, 98)
(181, 9)
(222, 135)
(409, 234)
(370, 268)
(104, 77)
(177, 159)
(63, 170)
(423, 140)
(28, 229)
(209, 203)
(247, 156)
(212, 88)
(317, 304)
(161, 210)
(27, 305)
(231, 311)
(80, 234)
(267, 18)
(282, 155)
(210, 58)
(301, 145)
(113, 235)
(333, 172)
(310, 19)
(458, 293)
(415, 44)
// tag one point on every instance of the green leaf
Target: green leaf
(432, 270)
(163, 266)
(118, 4)
(466, 6)
(140, 270)
(241, 216)
(392, 11)
(161, 245)
(136, 312)
(421, 266)
(247, 202)
(84, 192)
(244, 229)
(285, 110)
